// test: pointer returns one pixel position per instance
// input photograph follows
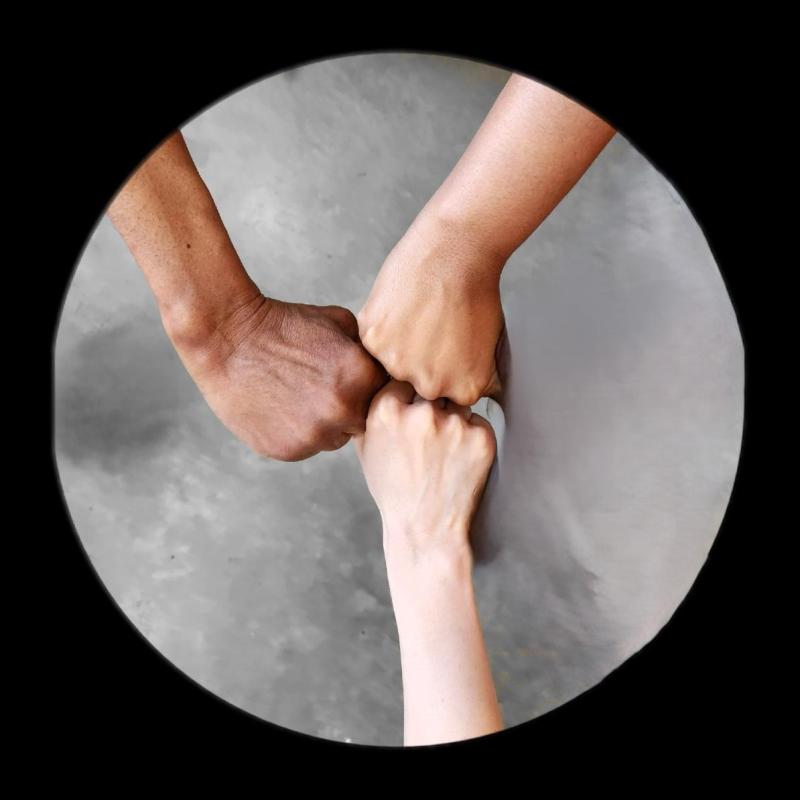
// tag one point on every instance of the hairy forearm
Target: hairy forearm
(529, 152)
(168, 219)
(448, 692)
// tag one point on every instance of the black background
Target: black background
(104, 693)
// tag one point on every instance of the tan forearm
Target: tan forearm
(529, 152)
(168, 219)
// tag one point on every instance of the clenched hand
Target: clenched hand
(426, 464)
(433, 317)
(288, 379)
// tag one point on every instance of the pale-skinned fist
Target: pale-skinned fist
(426, 465)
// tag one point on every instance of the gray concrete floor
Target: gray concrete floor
(264, 581)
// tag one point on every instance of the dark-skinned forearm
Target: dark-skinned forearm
(168, 219)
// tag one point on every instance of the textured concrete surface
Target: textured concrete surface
(265, 581)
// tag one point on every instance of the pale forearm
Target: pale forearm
(168, 219)
(529, 152)
(448, 692)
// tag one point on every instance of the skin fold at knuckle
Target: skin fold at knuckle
(455, 427)
(369, 336)
(426, 386)
(336, 440)
(463, 396)
(386, 411)
(338, 407)
(347, 317)
(422, 416)
(483, 443)
(392, 362)
(280, 451)
(357, 422)
(316, 434)
(348, 360)
(474, 387)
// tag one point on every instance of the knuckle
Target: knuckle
(392, 363)
(336, 441)
(425, 413)
(472, 394)
(262, 446)
(387, 410)
(281, 452)
(356, 373)
(484, 441)
(369, 335)
(352, 361)
(461, 397)
(358, 424)
(330, 399)
(467, 393)
(364, 317)
(427, 388)
(366, 335)
(347, 315)
(315, 433)
(454, 422)
(454, 426)
(372, 344)
(339, 408)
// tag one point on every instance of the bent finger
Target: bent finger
(462, 411)
(440, 402)
(481, 422)
(395, 391)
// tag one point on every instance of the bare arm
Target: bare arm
(441, 281)
(170, 223)
(448, 691)
(289, 379)
(426, 465)
(529, 152)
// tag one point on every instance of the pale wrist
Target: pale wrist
(418, 561)
(432, 596)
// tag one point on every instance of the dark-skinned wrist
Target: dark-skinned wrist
(199, 317)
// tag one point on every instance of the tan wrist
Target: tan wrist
(459, 222)
(446, 227)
